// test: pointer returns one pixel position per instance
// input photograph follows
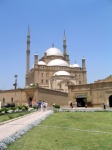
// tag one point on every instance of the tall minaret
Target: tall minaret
(28, 52)
(64, 44)
(83, 64)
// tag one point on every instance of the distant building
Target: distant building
(94, 94)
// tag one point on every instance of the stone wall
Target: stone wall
(96, 93)
(21, 96)
(52, 96)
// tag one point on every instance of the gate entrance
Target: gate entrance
(30, 101)
(80, 102)
(110, 101)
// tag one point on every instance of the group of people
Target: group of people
(41, 105)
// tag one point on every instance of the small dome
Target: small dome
(41, 63)
(53, 51)
(75, 65)
(62, 73)
(58, 62)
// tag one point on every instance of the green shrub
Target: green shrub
(7, 109)
(57, 106)
(3, 109)
(34, 106)
(25, 107)
(13, 108)
(20, 107)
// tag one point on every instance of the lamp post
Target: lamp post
(15, 84)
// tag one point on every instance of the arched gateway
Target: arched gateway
(110, 101)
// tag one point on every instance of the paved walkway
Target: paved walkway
(13, 126)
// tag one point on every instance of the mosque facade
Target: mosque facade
(53, 70)
(54, 79)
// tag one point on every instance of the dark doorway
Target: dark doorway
(80, 102)
(30, 101)
(110, 101)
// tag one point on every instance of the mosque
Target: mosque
(55, 80)
(53, 70)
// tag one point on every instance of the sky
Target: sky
(88, 27)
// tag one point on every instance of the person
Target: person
(40, 105)
(43, 106)
(71, 105)
(37, 106)
(46, 104)
(104, 105)
(30, 104)
(54, 105)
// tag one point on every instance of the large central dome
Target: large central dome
(53, 51)
(58, 62)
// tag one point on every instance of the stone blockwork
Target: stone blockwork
(95, 93)
(24, 96)
(52, 96)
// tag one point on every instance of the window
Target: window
(41, 74)
(79, 76)
(11, 100)
(46, 81)
(46, 74)
(3, 100)
(79, 82)
(41, 80)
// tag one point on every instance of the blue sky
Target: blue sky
(88, 27)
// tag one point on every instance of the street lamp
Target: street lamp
(15, 84)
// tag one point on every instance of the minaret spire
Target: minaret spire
(28, 52)
(64, 44)
(52, 44)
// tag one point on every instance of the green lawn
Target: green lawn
(69, 131)
(9, 116)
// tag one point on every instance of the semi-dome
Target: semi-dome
(58, 62)
(53, 51)
(41, 63)
(61, 73)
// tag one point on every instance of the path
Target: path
(13, 126)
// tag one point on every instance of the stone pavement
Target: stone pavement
(11, 127)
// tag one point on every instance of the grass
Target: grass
(69, 131)
(8, 116)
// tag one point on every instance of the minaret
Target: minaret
(28, 52)
(83, 64)
(36, 58)
(64, 44)
(84, 71)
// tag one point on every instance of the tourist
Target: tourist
(40, 105)
(30, 104)
(104, 106)
(54, 105)
(71, 105)
(43, 106)
(46, 105)
(37, 106)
